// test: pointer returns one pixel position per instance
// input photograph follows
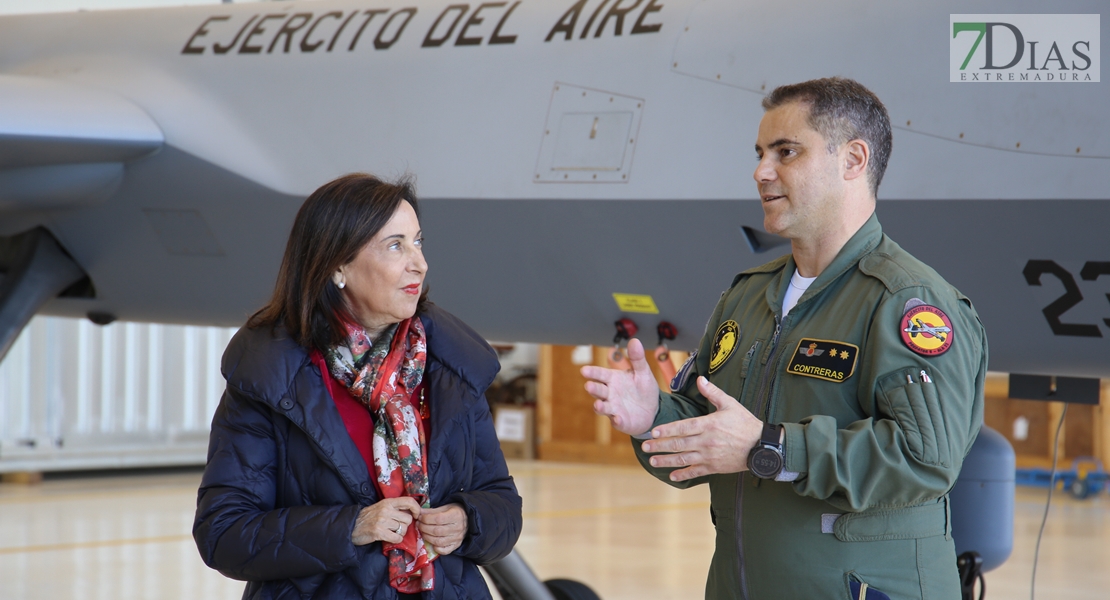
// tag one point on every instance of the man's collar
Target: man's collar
(863, 241)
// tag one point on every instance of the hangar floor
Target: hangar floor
(126, 536)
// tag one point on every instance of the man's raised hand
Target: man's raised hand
(629, 398)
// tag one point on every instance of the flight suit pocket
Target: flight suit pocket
(911, 400)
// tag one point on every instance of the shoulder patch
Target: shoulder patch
(683, 375)
(824, 359)
(925, 329)
(725, 342)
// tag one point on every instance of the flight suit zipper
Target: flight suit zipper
(768, 373)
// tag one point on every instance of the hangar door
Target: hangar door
(74, 395)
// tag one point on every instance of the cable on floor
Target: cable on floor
(1048, 502)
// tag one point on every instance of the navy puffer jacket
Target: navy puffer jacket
(285, 482)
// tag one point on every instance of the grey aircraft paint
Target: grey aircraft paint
(167, 151)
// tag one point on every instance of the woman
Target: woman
(353, 454)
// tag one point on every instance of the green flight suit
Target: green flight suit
(870, 437)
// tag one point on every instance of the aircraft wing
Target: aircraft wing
(62, 143)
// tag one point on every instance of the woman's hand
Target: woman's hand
(443, 528)
(386, 520)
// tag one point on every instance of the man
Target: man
(836, 390)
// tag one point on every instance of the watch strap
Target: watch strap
(771, 435)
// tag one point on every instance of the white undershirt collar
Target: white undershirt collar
(798, 286)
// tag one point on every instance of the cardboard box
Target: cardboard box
(515, 427)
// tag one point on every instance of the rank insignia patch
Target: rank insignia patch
(724, 344)
(824, 359)
(926, 330)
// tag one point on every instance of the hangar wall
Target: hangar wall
(74, 395)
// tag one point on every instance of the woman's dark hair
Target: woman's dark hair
(333, 224)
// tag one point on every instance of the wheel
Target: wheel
(569, 589)
(1080, 489)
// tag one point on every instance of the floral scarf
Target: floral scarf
(382, 376)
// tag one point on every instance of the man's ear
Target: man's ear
(856, 155)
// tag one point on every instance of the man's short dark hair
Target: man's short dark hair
(842, 110)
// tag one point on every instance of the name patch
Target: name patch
(824, 359)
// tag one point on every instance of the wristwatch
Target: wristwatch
(765, 460)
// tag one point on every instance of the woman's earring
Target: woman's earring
(341, 284)
(339, 281)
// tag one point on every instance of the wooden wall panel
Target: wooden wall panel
(1086, 430)
(1102, 430)
(1080, 427)
(569, 430)
(1039, 438)
(573, 418)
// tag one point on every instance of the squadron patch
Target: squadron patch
(724, 344)
(824, 359)
(926, 330)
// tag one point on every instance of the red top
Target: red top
(356, 416)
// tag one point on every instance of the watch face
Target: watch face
(765, 463)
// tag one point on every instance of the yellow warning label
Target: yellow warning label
(636, 303)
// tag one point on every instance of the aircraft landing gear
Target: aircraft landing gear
(36, 269)
(515, 580)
